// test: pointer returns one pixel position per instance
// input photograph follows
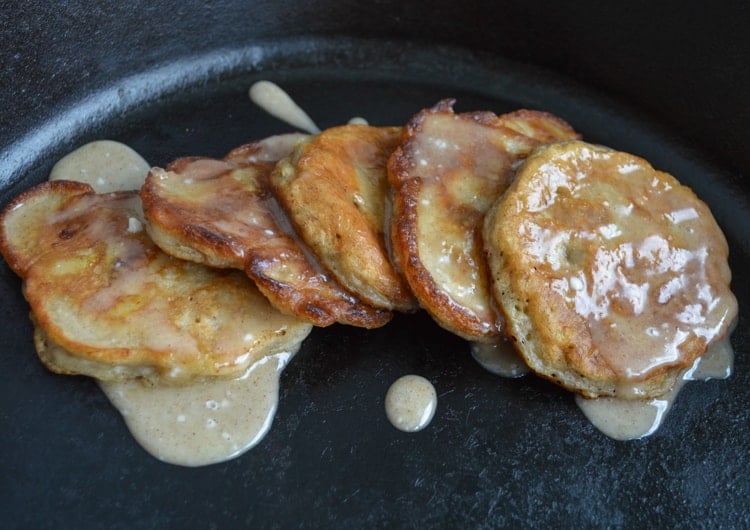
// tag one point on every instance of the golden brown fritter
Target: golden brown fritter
(222, 213)
(108, 303)
(190, 214)
(447, 171)
(612, 275)
(334, 189)
(195, 214)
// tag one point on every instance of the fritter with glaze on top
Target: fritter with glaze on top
(334, 189)
(613, 276)
(108, 303)
(222, 213)
(446, 173)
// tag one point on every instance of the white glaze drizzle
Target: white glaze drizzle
(630, 419)
(212, 420)
(105, 165)
(202, 423)
(276, 102)
(499, 357)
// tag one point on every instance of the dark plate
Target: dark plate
(498, 453)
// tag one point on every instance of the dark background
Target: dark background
(684, 63)
(667, 80)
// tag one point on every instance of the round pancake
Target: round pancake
(613, 277)
(223, 214)
(334, 189)
(118, 307)
(445, 174)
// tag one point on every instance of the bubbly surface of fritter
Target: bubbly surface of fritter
(612, 275)
(334, 189)
(446, 173)
(222, 213)
(103, 293)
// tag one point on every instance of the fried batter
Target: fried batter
(222, 213)
(612, 275)
(334, 189)
(446, 173)
(108, 303)
(270, 149)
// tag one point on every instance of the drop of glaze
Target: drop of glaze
(626, 419)
(410, 403)
(203, 423)
(105, 165)
(272, 98)
(499, 357)
(631, 419)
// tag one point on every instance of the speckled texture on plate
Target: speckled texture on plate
(498, 452)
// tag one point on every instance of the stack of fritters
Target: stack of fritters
(446, 173)
(108, 303)
(610, 277)
(222, 213)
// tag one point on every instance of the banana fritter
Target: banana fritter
(269, 149)
(108, 303)
(334, 189)
(222, 213)
(446, 173)
(612, 275)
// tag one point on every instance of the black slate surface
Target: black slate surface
(498, 453)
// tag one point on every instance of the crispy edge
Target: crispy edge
(17, 260)
(539, 347)
(167, 227)
(306, 176)
(186, 240)
(404, 230)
